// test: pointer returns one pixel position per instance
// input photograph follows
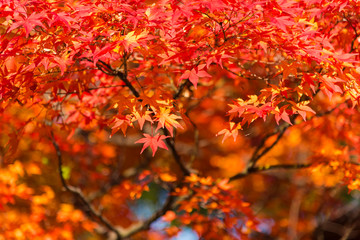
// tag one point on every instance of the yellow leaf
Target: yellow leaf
(166, 177)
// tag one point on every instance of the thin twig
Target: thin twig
(294, 213)
(88, 89)
(116, 178)
(256, 156)
(355, 31)
(260, 146)
(69, 71)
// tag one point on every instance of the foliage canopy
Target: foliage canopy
(141, 118)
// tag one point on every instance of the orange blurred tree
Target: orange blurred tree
(117, 118)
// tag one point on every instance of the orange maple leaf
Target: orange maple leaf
(233, 131)
(141, 118)
(168, 120)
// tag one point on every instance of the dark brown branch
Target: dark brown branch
(123, 76)
(101, 68)
(128, 84)
(231, 71)
(247, 17)
(268, 168)
(168, 205)
(177, 157)
(355, 31)
(104, 67)
(219, 23)
(107, 69)
(70, 71)
(77, 193)
(180, 90)
(104, 64)
(261, 145)
(89, 89)
(256, 155)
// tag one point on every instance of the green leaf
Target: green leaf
(45, 161)
(66, 172)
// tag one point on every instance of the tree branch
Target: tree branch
(268, 168)
(256, 156)
(77, 193)
(128, 84)
(177, 157)
(96, 215)
(70, 71)
(355, 31)
(88, 89)
(146, 224)
(180, 90)
(116, 178)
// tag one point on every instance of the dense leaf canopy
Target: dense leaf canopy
(147, 119)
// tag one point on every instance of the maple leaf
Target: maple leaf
(289, 69)
(308, 80)
(218, 59)
(167, 120)
(61, 63)
(61, 18)
(154, 142)
(121, 123)
(131, 40)
(233, 131)
(261, 111)
(237, 109)
(141, 118)
(329, 86)
(345, 57)
(167, 177)
(169, 216)
(103, 51)
(283, 115)
(29, 23)
(224, 184)
(282, 22)
(302, 109)
(194, 74)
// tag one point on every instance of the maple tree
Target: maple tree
(149, 119)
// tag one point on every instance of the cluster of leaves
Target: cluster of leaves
(84, 82)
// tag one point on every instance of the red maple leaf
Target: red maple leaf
(194, 74)
(29, 23)
(153, 142)
(62, 19)
(284, 116)
(282, 22)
